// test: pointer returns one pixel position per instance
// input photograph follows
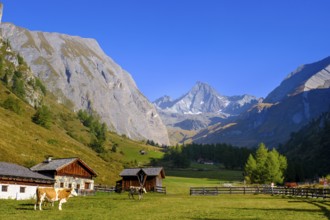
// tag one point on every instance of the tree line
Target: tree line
(231, 157)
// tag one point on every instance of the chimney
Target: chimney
(48, 158)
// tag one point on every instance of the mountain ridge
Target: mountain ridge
(201, 106)
(291, 105)
(78, 70)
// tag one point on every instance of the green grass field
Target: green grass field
(173, 206)
(176, 204)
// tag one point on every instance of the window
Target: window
(4, 188)
(78, 186)
(22, 189)
(70, 185)
(61, 185)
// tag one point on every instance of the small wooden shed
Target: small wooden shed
(68, 172)
(150, 178)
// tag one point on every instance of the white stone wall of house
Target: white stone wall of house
(75, 182)
(18, 192)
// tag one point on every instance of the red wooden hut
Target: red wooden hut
(150, 178)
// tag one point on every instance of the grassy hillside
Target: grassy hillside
(178, 135)
(26, 143)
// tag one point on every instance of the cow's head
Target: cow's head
(143, 190)
(72, 192)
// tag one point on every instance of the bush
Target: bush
(97, 146)
(18, 87)
(43, 117)
(41, 86)
(20, 59)
(12, 104)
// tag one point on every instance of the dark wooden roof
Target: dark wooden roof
(14, 170)
(57, 164)
(149, 171)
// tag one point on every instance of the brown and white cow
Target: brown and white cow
(51, 195)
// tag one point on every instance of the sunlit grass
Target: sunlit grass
(176, 204)
(173, 206)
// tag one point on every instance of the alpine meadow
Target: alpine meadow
(81, 137)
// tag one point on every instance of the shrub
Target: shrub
(12, 104)
(18, 87)
(43, 117)
(41, 86)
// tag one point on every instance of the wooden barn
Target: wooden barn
(18, 182)
(150, 178)
(68, 172)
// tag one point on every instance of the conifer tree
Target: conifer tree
(267, 167)
(250, 169)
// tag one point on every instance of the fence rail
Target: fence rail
(85, 192)
(101, 188)
(160, 189)
(301, 192)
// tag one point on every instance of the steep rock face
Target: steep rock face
(77, 69)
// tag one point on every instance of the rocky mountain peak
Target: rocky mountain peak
(201, 106)
(163, 102)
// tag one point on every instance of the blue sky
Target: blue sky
(236, 46)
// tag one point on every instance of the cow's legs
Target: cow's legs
(39, 201)
(60, 204)
(131, 194)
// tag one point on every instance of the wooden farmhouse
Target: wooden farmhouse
(18, 182)
(68, 172)
(150, 178)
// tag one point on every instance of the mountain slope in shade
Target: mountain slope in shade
(301, 97)
(77, 69)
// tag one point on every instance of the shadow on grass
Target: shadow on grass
(324, 205)
(324, 208)
(25, 206)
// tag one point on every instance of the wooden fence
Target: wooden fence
(85, 192)
(301, 192)
(101, 188)
(160, 189)
(109, 189)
